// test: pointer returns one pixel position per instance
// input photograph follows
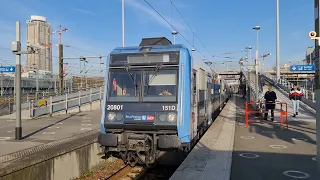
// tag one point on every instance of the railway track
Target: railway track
(128, 172)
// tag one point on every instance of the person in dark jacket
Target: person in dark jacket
(270, 96)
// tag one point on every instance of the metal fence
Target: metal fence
(65, 102)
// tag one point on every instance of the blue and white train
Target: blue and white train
(157, 98)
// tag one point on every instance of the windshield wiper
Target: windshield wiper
(131, 77)
(155, 74)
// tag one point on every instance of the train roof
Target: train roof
(153, 48)
(197, 63)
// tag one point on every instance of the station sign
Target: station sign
(298, 68)
(7, 69)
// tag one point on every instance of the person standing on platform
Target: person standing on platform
(295, 96)
(270, 96)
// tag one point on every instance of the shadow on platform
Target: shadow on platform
(52, 124)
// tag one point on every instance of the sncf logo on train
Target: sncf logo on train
(139, 117)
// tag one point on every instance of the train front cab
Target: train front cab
(143, 108)
(136, 124)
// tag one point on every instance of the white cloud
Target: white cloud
(84, 11)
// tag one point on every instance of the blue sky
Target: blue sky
(222, 26)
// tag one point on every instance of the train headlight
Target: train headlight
(111, 116)
(119, 116)
(171, 117)
(163, 117)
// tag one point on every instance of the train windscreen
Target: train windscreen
(124, 86)
(160, 85)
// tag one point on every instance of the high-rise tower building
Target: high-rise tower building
(39, 32)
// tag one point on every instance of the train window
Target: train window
(201, 98)
(202, 79)
(160, 86)
(124, 86)
(194, 82)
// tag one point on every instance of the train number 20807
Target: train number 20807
(114, 107)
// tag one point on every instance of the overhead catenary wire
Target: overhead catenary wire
(194, 34)
(174, 28)
(73, 47)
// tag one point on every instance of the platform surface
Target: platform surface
(211, 157)
(45, 130)
(266, 151)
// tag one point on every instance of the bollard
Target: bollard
(9, 105)
(51, 106)
(32, 112)
(66, 103)
(79, 101)
(100, 97)
(90, 99)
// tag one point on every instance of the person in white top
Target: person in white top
(295, 96)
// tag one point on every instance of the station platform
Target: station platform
(37, 132)
(265, 150)
(211, 158)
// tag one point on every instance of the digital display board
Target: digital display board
(144, 58)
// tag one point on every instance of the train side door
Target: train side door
(194, 104)
(208, 101)
(201, 91)
(220, 95)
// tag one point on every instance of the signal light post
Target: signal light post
(257, 28)
(16, 49)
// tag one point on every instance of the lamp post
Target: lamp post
(278, 41)
(248, 49)
(263, 57)
(122, 23)
(257, 28)
(174, 33)
(16, 49)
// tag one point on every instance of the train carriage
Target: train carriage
(157, 98)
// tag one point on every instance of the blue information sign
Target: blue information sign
(302, 68)
(7, 69)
